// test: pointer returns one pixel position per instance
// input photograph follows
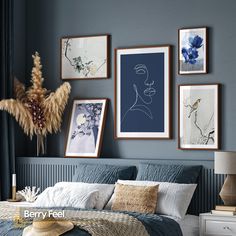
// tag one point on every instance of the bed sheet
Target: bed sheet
(189, 225)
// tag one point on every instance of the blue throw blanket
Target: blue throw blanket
(155, 225)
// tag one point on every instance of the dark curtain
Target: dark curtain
(7, 155)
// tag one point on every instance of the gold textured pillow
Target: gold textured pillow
(135, 198)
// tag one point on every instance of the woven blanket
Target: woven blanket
(97, 223)
(103, 223)
(8, 211)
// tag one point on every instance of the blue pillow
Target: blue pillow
(168, 173)
(103, 174)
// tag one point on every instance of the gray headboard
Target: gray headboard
(45, 172)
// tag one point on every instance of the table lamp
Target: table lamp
(225, 163)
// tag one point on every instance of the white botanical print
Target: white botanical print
(84, 57)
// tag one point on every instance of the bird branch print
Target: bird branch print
(206, 133)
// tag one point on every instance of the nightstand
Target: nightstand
(217, 225)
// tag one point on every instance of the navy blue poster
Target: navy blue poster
(142, 92)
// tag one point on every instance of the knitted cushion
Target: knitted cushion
(141, 199)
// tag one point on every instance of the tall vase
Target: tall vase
(41, 145)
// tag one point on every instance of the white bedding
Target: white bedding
(173, 198)
(189, 225)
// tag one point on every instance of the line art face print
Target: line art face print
(142, 92)
(143, 96)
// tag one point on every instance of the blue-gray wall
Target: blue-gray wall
(131, 23)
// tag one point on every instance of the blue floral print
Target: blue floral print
(191, 54)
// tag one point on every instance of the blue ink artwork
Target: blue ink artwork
(85, 127)
(192, 51)
(142, 92)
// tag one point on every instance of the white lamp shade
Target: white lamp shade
(225, 162)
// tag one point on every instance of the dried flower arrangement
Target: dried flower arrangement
(36, 110)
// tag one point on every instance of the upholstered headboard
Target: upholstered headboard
(44, 172)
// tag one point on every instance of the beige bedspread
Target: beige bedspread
(97, 223)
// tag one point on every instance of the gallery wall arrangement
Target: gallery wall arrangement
(142, 94)
(199, 54)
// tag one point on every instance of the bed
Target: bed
(158, 225)
(154, 224)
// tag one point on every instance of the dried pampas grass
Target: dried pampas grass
(36, 110)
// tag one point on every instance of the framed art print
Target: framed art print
(193, 50)
(142, 92)
(199, 116)
(86, 128)
(85, 57)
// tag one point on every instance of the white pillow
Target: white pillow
(105, 190)
(173, 199)
(67, 197)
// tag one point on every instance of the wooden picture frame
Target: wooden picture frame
(198, 116)
(86, 127)
(85, 57)
(193, 51)
(142, 92)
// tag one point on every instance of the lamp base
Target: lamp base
(13, 192)
(228, 191)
